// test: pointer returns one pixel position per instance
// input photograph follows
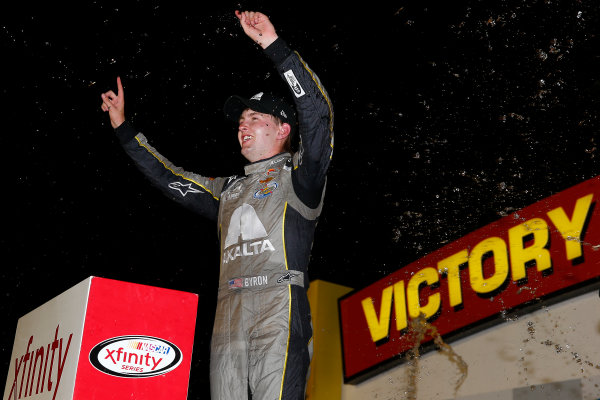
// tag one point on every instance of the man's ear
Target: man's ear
(284, 131)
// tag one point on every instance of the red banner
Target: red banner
(547, 249)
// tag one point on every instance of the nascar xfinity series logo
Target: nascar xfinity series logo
(135, 356)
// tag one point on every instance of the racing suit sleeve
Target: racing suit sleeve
(195, 192)
(315, 122)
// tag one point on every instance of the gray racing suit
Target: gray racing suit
(262, 331)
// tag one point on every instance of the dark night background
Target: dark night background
(448, 117)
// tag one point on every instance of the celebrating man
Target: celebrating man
(262, 333)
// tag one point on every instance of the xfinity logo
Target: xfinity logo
(135, 356)
(245, 223)
(44, 365)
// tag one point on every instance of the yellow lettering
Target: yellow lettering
(497, 247)
(451, 267)
(400, 306)
(426, 275)
(520, 255)
(379, 327)
(571, 229)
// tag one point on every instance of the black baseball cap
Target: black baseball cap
(265, 103)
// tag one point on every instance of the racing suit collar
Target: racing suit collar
(262, 165)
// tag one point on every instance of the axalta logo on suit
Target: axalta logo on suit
(245, 223)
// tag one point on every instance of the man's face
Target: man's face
(259, 135)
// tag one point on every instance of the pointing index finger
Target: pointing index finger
(120, 91)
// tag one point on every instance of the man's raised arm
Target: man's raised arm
(195, 192)
(315, 111)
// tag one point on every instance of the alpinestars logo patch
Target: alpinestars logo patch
(184, 188)
(286, 278)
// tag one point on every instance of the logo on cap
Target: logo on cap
(257, 96)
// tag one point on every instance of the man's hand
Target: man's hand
(258, 27)
(115, 105)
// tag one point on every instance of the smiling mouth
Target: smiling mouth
(245, 138)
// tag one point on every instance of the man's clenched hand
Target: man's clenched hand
(258, 27)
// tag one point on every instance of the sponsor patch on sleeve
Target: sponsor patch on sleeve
(294, 84)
